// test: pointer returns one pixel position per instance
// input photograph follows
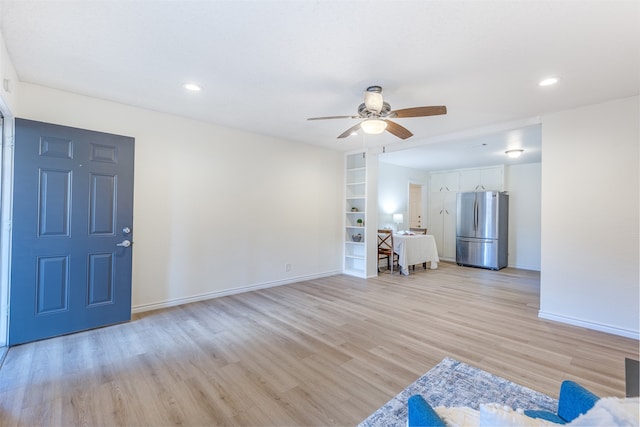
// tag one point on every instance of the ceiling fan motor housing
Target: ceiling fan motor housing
(364, 112)
(373, 99)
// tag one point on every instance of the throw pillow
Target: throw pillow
(460, 416)
(495, 414)
(611, 411)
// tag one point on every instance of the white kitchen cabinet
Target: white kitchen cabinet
(444, 181)
(442, 222)
(444, 187)
(482, 179)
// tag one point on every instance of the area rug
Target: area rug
(453, 383)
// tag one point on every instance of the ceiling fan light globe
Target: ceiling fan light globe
(373, 126)
(373, 101)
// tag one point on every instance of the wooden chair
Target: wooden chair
(385, 249)
(419, 231)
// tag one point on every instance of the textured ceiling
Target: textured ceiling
(266, 66)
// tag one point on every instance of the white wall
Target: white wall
(590, 217)
(8, 79)
(523, 182)
(216, 210)
(393, 193)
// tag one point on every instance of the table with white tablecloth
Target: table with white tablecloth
(415, 249)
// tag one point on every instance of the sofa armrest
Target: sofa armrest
(421, 414)
(574, 400)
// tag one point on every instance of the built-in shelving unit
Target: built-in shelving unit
(355, 238)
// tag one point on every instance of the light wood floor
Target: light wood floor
(323, 352)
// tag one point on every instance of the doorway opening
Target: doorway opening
(416, 206)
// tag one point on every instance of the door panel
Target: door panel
(442, 225)
(450, 219)
(415, 205)
(53, 201)
(487, 215)
(466, 215)
(477, 252)
(436, 219)
(52, 284)
(73, 197)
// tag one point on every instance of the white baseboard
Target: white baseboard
(591, 325)
(217, 294)
(525, 267)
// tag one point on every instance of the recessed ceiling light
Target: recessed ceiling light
(192, 87)
(548, 82)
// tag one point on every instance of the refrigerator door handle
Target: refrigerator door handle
(474, 240)
(475, 215)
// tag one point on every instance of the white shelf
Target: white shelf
(355, 253)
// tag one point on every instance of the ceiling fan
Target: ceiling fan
(376, 113)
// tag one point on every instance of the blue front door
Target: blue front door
(71, 231)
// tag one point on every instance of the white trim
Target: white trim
(525, 267)
(590, 325)
(227, 292)
(6, 213)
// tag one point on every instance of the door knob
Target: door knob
(124, 243)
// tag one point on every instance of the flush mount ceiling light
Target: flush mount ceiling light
(373, 126)
(514, 154)
(548, 81)
(192, 87)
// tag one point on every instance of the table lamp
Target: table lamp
(398, 219)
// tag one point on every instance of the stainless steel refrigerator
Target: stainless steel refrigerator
(482, 229)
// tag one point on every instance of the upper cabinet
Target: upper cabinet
(482, 179)
(445, 181)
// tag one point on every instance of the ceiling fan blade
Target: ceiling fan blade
(434, 110)
(349, 131)
(397, 130)
(334, 117)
